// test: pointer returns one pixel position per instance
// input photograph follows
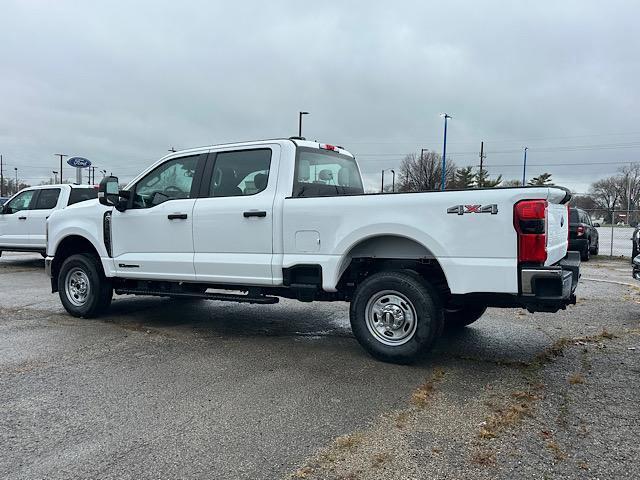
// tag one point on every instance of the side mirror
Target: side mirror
(597, 225)
(109, 193)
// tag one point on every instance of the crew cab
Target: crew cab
(256, 221)
(23, 217)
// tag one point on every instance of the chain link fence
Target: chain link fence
(615, 230)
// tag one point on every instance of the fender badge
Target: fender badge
(462, 209)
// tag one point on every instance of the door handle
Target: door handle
(22, 218)
(177, 216)
(255, 213)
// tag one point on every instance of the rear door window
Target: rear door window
(47, 199)
(240, 173)
(81, 194)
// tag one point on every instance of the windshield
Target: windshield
(323, 173)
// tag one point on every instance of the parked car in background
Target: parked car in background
(635, 243)
(23, 217)
(583, 235)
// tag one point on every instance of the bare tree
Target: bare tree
(421, 173)
(606, 194)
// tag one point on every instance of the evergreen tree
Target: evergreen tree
(465, 178)
(541, 180)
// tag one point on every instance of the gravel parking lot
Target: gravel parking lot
(172, 389)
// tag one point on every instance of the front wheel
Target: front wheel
(396, 316)
(84, 290)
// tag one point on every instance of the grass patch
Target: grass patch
(401, 419)
(421, 396)
(483, 457)
(576, 378)
(558, 454)
(348, 442)
(379, 459)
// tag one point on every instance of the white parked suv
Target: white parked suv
(289, 218)
(23, 217)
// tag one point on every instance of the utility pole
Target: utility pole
(1, 178)
(382, 185)
(16, 169)
(446, 117)
(300, 114)
(61, 155)
(482, 157)
(55, 175)
(524, 167)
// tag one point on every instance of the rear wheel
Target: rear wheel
(84, 290)
(586, 253)
(595, 249)
(457, 318)
(396, 316)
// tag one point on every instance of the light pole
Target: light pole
(61, 155)
(524, 166)
(16, 169)
(300, 114)
(55, 175)
(446, 117)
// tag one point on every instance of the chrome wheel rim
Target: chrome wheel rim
(77, 286)
(391, 318)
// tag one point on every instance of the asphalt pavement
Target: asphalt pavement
(160, 388)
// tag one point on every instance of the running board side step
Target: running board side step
(225, 297)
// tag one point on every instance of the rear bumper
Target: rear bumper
(549, 289)
(541, 289)
(578, 244)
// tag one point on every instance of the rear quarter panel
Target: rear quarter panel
(477, 251)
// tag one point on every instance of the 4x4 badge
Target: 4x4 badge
(462, 209)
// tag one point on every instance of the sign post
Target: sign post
(79, 163)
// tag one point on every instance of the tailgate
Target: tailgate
(557, 232)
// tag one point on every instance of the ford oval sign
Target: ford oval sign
(79, 162)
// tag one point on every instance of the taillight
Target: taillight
(529, 219)
(580, 230)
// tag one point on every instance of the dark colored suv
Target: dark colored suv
(583, 236)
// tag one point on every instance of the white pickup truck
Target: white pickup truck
(255, 221)
(23, 217)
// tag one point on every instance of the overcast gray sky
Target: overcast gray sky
(120, 82)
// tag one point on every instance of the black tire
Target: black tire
(420, 309)
(634, 252)
(596, 248)
(585, 254)
(88, 272)
(455, 319)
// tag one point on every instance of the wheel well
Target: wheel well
(390, 252)
(70, 245)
